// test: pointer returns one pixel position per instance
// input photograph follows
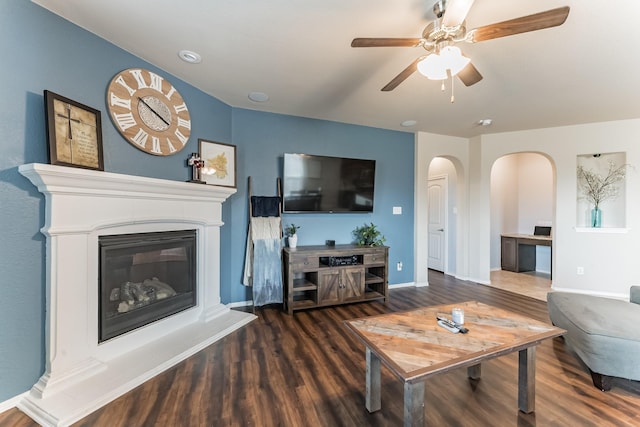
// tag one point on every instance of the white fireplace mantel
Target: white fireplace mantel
(82, 205)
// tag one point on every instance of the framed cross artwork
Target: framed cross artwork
(74, 133)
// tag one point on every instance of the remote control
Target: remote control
(448, 326)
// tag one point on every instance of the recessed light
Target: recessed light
(408, 123)
(190, 57)
(258, 96)
(485, 122)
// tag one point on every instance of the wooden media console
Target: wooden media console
(317, 276)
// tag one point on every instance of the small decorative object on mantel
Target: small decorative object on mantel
(74, 133)
(220, 160)
(368, 235)
(291, 231)
(597, 188)
(197, 166)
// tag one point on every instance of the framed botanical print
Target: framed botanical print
(74, 133)
(219, 163)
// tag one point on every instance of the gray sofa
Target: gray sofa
(603, 332)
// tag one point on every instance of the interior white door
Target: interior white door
(437, 219)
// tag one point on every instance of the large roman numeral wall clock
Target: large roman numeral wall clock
(148, 112)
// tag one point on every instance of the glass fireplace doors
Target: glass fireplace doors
(143, 278)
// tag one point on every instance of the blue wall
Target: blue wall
(42, 51)
(263, 138)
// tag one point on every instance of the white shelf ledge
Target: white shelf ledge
(601, 230)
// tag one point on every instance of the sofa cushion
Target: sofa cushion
(602, 331)
(598, 315)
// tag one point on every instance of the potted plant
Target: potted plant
(368, 235)
(291, 232)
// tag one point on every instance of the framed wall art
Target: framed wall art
(219, 163)
(74, 133)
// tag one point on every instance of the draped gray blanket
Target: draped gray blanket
(263, 263)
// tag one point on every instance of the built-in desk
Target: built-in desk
(519, 251)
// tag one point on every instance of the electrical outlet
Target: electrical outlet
(580, 271)
(399, 266)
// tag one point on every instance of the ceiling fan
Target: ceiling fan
(441, 35)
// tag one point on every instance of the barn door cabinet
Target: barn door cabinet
(320, 276)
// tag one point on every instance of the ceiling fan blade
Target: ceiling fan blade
(537, 21)
(469, 75)
(456, 12)
(402, 76)
(385, 42)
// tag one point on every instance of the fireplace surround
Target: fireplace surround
(81, 206)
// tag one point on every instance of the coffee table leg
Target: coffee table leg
(373, 382)
(474, 372)
(527, 380)
(414, 404)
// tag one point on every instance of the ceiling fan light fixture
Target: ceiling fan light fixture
(432, 67)
(448, 29)
(435, 66)
(453, 60)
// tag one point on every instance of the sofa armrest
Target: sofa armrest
(634, 296)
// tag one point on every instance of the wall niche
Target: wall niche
(601, 181)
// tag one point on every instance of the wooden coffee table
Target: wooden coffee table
(414, 347)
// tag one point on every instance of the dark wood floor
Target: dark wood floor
(308, 370)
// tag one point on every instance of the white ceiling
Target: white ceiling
(298, 52)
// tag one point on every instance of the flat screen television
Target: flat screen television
(327, 184)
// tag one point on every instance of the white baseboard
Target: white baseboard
(11, 403)
(482, 282)
(593, 293)
(240, 304)
(403, 285)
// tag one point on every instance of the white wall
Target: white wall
(504, 203)
(535, 191)
(608, 256)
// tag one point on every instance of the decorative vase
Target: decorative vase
(596, 217)
(293, 240)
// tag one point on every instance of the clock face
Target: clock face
(149, 112)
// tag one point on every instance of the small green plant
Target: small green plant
(291, 229)
(368, 235)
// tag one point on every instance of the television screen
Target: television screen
(327, 184)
